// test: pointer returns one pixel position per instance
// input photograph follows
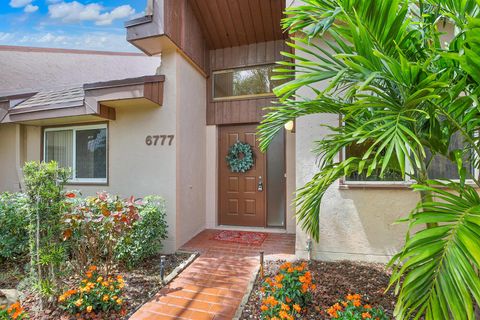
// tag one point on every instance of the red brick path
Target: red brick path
(213, 286)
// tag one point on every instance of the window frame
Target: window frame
(379, 183)
(75, 128)
(240, 97)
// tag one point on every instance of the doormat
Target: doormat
(255, 238)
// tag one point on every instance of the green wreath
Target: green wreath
(235, 161)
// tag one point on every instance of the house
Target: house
(140, 125)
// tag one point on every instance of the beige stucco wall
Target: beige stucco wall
(211, 182)
(8, 157)
(191, 149)
(357, 223)
(28, 71)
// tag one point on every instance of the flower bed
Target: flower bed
(334, 282)
(141, 284)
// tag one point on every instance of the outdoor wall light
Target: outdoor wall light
(289, 125)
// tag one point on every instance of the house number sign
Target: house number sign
(161, 140)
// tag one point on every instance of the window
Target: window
(82, 148)
(392, 174)
(439, 167)
(243, 82)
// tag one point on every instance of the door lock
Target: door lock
(260, 183)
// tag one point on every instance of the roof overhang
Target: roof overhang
(90, 102)
(196, 25)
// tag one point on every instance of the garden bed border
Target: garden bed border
(247, 294)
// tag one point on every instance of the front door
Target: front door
(241, 195)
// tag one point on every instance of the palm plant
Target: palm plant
(381, 66)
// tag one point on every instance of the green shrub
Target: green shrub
(352, 308)
(288, 293)
(13, 226)
(147, 234)
(47, 203)
(97, 294)
(95, 226)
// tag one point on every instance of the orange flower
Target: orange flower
(288, 299)
(89, 274)
(357, 297)
(264, 307)
(367, 306)
(366, 315)
(297, 307)
(279, 278)
(286, 265)
(357, 303)
(349, 297)
(332, 312)
(285, 307)
(337, 307)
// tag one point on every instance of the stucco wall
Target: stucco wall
(27, 71)
(356, 223)
(191, 149)
(8, 158)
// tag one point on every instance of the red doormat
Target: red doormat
(255, 238)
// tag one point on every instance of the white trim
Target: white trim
(74, 130)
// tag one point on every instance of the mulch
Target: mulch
(141, 284)
(334, 281)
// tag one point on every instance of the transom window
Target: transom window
(81, 148)
(243, 82)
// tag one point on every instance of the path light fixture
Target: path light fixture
(261, 265)
(162, 268)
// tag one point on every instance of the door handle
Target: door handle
(260, 183)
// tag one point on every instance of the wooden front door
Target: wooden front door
(241, 195)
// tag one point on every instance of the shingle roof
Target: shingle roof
(65, 96)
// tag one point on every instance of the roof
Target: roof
(60, 97)
(71, 51)
(95, 99)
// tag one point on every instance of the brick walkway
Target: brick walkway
(213, 286)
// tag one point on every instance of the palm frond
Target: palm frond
(439, 264)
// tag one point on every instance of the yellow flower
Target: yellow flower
(79, 302)
(99, 279)
(89, 309)
(105, 297)
(61, 298)
(119, 301)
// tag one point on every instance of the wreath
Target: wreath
(240, 157)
